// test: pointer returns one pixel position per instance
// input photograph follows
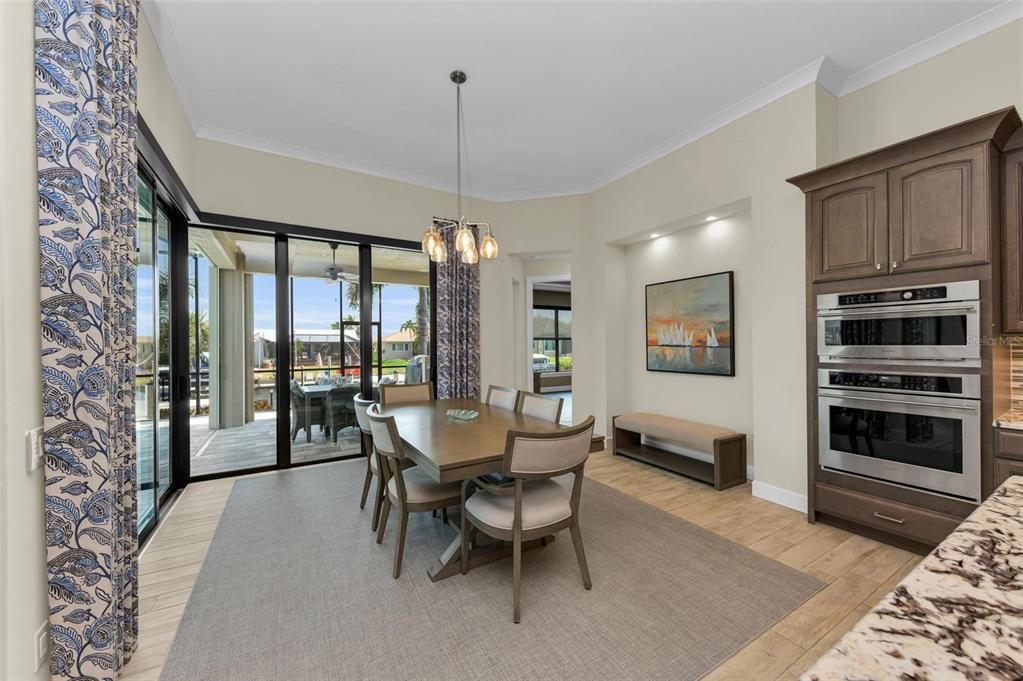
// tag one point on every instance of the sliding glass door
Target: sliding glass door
(326, 354)
(401, 316)
(232, 338)
(272, 336)
(152, 359)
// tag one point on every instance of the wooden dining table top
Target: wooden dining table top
(449, 449)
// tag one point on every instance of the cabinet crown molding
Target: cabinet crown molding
(996, 127)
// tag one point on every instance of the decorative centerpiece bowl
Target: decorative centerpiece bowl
(463, 414)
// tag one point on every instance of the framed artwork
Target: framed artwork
(689, 325)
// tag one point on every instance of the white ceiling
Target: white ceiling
(562, 97)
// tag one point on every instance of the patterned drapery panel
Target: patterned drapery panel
(458, 325)
(85, 53)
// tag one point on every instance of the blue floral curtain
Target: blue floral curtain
(458, 325)
(85, 52)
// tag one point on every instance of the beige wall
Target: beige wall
(693, 251)
(975, 78)
(23, 572)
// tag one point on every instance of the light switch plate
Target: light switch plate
(35, 448)
(42, 639)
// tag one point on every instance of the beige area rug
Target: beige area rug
(294, 587)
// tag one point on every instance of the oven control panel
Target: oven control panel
(918, 383)
(893, 296)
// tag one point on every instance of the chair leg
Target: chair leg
(399, 548)
(580, 554)
(444, 515)
(378, 500)
(384, 512)
(465, 542)
(516, 576)
(365, 485)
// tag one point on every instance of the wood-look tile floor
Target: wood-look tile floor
(857, 571)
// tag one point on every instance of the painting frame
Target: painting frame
(729, 280)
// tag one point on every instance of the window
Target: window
(552, 339)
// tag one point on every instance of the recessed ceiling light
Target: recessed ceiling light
(654, 235)
(711, 218)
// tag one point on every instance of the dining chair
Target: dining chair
(499, 396)
(372, 463)
(398, 393)
(535, 506)
(544, 407)
(409, 490)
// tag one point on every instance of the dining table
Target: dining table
(449, 449)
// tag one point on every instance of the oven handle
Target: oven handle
(905, 402)
(897, 312)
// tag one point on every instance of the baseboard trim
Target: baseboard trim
(780, 496)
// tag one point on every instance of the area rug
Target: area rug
(295, 587)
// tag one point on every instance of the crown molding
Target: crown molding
(974, 27)
(790, 83)
(822, 71)
(294, 151)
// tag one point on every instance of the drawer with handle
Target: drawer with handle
(1009, 443)
(1006, 468)
(918, 524)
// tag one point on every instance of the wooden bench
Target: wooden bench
(727, 446)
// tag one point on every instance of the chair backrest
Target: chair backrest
(545, 455)
(389, 449)
(406, 392)
(499, 396)
(361, 407)
(543, 407)
(297, 394)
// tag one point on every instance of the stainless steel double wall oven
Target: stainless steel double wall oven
(899, 389)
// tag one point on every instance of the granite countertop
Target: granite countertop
(958, 615)
(1010, 419)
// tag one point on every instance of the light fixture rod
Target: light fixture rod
(458, 142)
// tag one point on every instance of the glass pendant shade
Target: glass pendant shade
(470, 256)
(464, 240)
(488, 247)
(440, 252)
(430, 240)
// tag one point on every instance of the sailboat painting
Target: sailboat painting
(689, 325)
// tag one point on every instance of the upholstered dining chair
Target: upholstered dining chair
(372, 464)
(535, 506)
(543, 407)
(409, 490)
(406, 392)
(505, 398)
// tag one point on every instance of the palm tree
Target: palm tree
(422, 317)
(353, 294)
(410, 326)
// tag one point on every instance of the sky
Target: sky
(316, 302)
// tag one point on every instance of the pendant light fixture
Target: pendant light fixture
(465, 241)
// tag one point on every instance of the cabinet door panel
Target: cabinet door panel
(940, 211)
(848, 229)
(1012, 243)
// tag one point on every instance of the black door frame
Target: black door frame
(185, 213)
(163, 201)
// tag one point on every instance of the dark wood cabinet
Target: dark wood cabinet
(1012, 242)
(925, 210)
(939, 211)
(851, 229)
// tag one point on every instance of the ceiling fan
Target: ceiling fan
(333, 271)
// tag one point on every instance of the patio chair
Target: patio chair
(304, 413)
(340, 410)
